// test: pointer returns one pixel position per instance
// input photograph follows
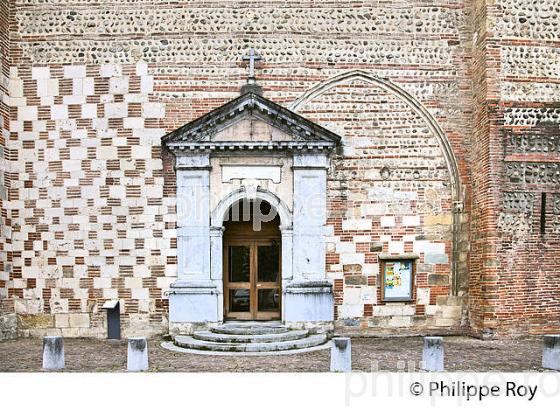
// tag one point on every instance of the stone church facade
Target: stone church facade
(380, 135)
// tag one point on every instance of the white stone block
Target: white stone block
(53, 353)
(356, 225)
(374, 209)
(370, 268)
(89, 111)
(110, 70)
(136, 98)
(15, 88)
(15, 102)
(118, 85)
(352, 296)
(88, 85)
(137, 354)
(146, 84)
(101, 283)
(132, 282)
(140, 293)
(74, 99)
(133, 123)
(74, 71)
(411, 220)
(423, 296)
(396, 247)
(432, 354)
(153, 110)
(345, 247)
(352, 258)
(369, 294)
(59, 112)
(350, 311)
(400, 321)
(116, 110)
(38, 73)
(141, 68)
(79, 320)
(27, 113)
(341, 354)
(43, 88)
(61, 320)
(53, 87)
(551, 352)
(428, 247)
(361, 238)
(387, 221)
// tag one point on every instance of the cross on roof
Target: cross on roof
(251, 58)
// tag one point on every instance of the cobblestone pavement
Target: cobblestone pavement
(390, 354)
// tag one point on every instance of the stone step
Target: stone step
(249, 329)
(190, 342)
(250, 338)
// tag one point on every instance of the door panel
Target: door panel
(239, 300)
(268, 263)
(239, 263)
(252, 279)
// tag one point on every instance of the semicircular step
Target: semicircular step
(190, 342)
(250, 338)
(248, 329)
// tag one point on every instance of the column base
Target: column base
(310, 301)
(193, 302)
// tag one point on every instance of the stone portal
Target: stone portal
(251, 151)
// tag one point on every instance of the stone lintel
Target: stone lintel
(403, 256)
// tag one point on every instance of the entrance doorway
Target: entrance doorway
(252, 263)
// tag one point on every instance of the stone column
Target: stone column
(193, 217)
(193, 298)
(309, 216)
(287, 257)
(216, 265)
(308, 297)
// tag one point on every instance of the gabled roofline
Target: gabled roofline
(254, 105)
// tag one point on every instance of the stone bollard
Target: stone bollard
(551, 352)
(432, 355)
(53, 353)
(341, 354)
(137, 354)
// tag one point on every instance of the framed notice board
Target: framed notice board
(397, 279)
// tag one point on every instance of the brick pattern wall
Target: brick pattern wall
(94, 91)
(514, 267)
(8, 320)
(92, 88)
(5, 232)
(389, 192)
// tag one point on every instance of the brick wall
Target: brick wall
(8, 324)
(515, 268)
(4, 154)
(92, 210)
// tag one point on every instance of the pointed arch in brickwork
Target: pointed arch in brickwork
(414, 104)
(457, 194)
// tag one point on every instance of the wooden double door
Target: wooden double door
(252, 279)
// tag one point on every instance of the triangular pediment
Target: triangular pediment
(251, 121)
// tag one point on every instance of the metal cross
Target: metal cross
(251, 59)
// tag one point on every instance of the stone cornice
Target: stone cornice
(179, 148)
